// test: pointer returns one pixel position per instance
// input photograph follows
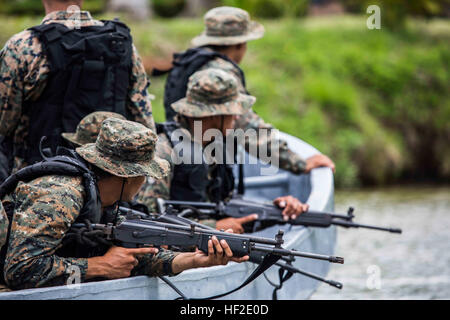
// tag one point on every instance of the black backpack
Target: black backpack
(90, 70)
(184, 65)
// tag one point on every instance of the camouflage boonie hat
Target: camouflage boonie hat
(125, 149)
(228, 26)
(89, 127)
(213, 92)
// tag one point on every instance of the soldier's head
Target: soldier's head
(213, 98)
(227, 30)
(123, 155)
(89, 127)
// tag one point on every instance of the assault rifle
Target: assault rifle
(137, 231)
(268, 214)
(255, 257)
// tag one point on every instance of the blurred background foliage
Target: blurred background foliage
(271, 8)
(34, 7)
(168, 8)
(376, 101)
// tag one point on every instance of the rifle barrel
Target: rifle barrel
(285, 252)
(348, 224)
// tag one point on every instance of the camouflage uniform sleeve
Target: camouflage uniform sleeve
(45, 209)
(23, 73)
(156, 265)
(152, 188)
(138, 103)
(288, 160)
(208, 222)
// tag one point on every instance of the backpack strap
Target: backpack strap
(49, 34)
(67, 163)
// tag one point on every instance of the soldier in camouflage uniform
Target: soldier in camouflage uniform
(227, 31)
(214, 100)
(46, 207)
(25, 71)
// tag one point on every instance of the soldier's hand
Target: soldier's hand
(235, 224)
(319, 160)
(292, 207)
(116, 263)
(219, 253)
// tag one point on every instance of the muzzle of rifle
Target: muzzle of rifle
(285, 252)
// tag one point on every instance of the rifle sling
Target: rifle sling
(268, 261)
(284, 275)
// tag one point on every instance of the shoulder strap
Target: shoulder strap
(67, 163)
(35, 171)
(49, 34)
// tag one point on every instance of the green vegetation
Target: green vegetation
(168, 8)
(34, 7)
(376, 101)
(270, 8)
(394, 12)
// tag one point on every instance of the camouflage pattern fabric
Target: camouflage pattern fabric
(3, 225)
(212, 92)
(125, 149)
(288, 160)
(228, 26)
(24, 73)
(89, 127)
(45, 209)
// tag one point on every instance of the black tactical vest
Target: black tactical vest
(184, 65)
(197, 182)
(68, 163)
(89, 71)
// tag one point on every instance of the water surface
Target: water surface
(413, 265)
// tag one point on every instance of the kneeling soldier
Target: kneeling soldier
(214, 100)
(42, 206)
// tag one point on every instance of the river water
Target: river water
(382, 265)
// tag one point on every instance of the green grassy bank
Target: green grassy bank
(376, 101)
